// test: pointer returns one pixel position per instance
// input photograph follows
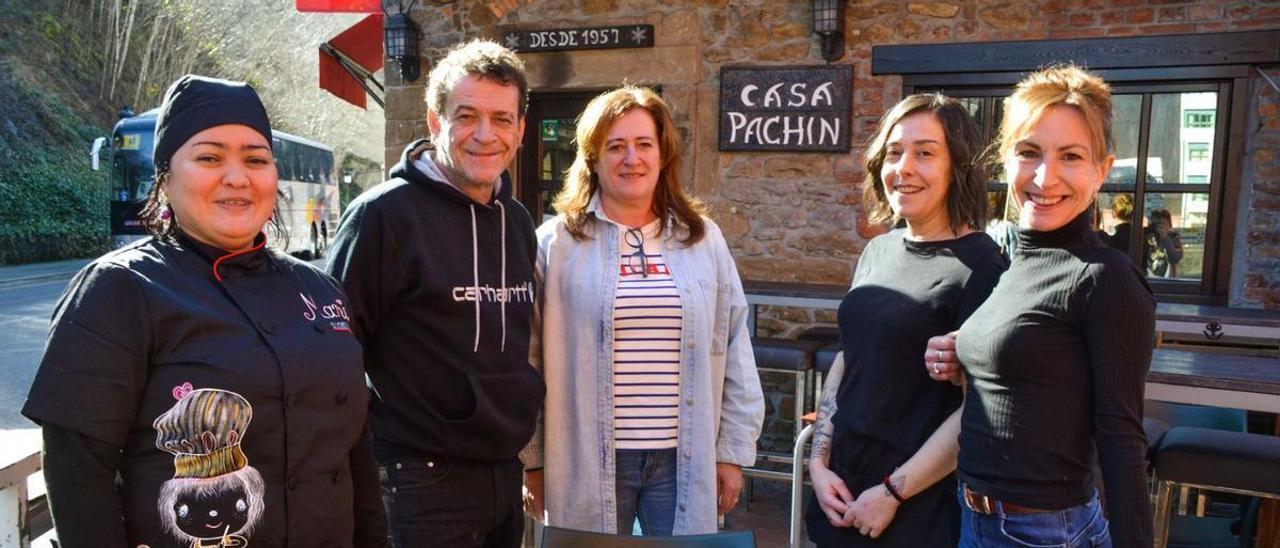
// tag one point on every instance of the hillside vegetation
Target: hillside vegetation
(68, 66)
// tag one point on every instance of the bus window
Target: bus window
(131, 169)
(284, 160)
(309, 164)
(299, 167)
(313, 157)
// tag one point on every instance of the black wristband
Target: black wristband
(888, 486)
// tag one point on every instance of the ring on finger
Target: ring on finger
(937, 368)
(940, 355)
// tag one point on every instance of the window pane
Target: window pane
(1126, 117)
(1115, 214)
(1198, 118)
(555, 154)
(548, 212)
(284, 160)
(974, 106)
(1182, 127)
(1174, 235)
(998, 205)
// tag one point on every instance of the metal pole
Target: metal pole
(797, 483)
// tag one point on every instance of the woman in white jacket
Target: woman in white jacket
(653, 402)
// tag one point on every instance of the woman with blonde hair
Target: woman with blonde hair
(653, 402)
(1056, 359)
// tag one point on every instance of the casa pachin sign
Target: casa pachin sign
(786, 108)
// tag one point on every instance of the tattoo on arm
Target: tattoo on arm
(826, 410)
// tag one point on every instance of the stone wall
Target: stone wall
(796, 217)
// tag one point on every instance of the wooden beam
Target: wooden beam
(1223, 48)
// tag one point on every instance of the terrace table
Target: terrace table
(799, 295)
(1218, 380)
(1215, 322)
(1202, 378)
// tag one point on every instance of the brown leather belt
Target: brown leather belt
(984, 504)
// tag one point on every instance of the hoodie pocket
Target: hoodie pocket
(506, 410)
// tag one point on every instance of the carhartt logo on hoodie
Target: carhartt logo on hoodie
(522, 293)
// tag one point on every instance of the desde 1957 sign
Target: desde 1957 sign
(797, 109)
(629, 36)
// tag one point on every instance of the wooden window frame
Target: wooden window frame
(1163, 63)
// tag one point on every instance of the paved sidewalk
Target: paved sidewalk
(24, 274)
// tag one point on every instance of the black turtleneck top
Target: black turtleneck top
(1057, 360)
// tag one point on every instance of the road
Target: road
(24, 323)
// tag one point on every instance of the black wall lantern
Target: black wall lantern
(828, 23)
(400, 37)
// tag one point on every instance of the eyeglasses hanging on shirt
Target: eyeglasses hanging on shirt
(634, 237)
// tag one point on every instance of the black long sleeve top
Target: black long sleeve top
(1057, 360)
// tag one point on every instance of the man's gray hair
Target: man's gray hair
(483, 58)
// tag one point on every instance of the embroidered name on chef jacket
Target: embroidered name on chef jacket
(335, 313)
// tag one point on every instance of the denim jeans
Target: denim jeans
(1081, 526)
(436, 501)
(646, 489)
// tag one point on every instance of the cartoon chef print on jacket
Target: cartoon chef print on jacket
(215, 497)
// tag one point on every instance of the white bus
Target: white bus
(308, 199)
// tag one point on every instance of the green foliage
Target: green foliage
(52, 206)
(50, 27)
(364, 174)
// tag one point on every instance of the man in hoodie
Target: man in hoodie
(438, 265)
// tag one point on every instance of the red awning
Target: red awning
(360, 44)
(340, 6)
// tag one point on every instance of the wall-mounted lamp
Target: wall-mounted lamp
(400, 36)
(828, 23)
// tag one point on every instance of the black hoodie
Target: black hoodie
(441, 292)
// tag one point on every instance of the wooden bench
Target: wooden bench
(21, 517)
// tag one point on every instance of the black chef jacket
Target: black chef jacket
(232, 383)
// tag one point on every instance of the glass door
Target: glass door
(548, 148)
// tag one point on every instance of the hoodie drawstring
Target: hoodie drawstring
(503, 294)
(503, 211)
(475, 273)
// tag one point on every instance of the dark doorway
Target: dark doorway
(548, 148)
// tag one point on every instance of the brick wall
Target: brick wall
(796, 217)
(1256, 276)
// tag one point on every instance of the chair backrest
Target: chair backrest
(554, 537)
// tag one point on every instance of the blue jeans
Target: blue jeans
(441, 502)
(645, 484)
(1081, 526)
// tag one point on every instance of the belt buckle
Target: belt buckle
(978, 502)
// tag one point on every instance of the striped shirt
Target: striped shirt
(646, 346)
